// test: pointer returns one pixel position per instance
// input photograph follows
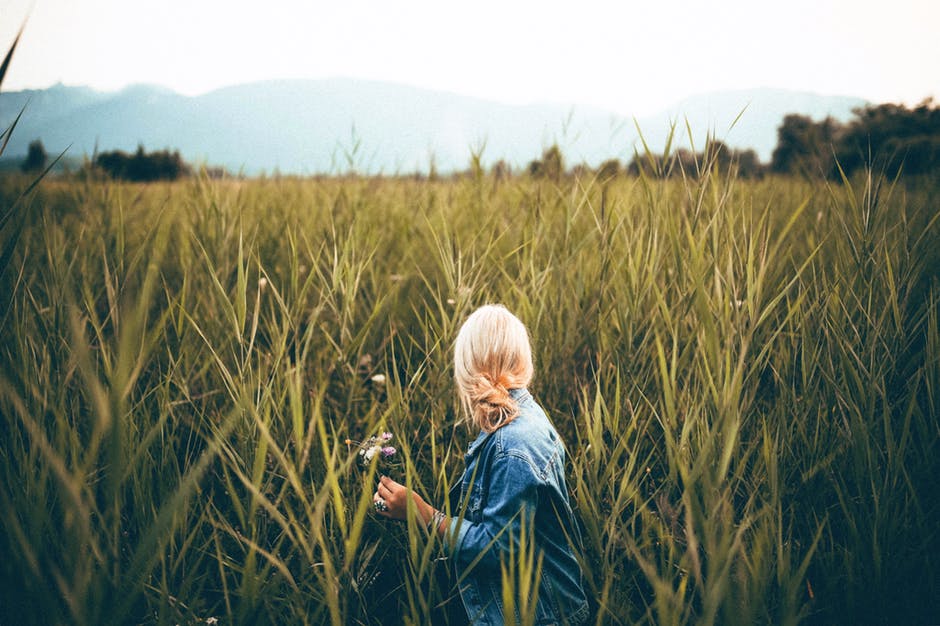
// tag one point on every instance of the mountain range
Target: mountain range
(338, 125)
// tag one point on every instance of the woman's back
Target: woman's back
(513, 487)
(513, 501)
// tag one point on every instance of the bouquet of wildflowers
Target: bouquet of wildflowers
(374, 447)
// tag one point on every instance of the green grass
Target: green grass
(745, 373)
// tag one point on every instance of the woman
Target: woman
(513, 482)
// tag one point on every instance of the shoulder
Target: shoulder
(531, 426)
(530, 437)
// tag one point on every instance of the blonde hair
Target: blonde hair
(491, 356)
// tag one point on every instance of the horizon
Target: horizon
(430, 127)
(352, 79)
(626, 60)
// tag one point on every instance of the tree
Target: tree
(582, 170)
(551, 166)
(608, 170)
(888, 137)
(501, 171)
(553, 163)
(805, 146)
(748, 164)
(36, 157)
(535, 169)
(142, 167)
(717, 155)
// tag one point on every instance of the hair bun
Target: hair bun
(493, 405)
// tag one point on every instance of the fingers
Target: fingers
(388, 488)
(385, 500)
(390, 498)
(390, 484)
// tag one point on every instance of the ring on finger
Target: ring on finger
(380, 505)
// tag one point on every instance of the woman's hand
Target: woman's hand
(395, 496)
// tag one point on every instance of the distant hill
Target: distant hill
(336, 124)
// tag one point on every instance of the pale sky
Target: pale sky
(628, 57)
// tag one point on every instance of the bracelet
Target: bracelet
(435, 522)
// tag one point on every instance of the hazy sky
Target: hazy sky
(630, 57)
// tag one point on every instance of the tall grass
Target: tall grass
(745, 373)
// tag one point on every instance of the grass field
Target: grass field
(746, 374)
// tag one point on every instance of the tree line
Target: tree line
(888, 138)
(140, 166)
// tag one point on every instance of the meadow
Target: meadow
(746, 374)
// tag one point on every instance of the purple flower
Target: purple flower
(373, 447)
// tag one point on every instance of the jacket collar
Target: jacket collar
(519, 395)
(476, 443)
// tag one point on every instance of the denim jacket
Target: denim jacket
(516, 471)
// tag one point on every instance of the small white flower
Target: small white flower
(212, 620)
(451, 301)
(262, 283)
(379, 379)
(371, 452)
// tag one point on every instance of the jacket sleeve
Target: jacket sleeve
(512, 493)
